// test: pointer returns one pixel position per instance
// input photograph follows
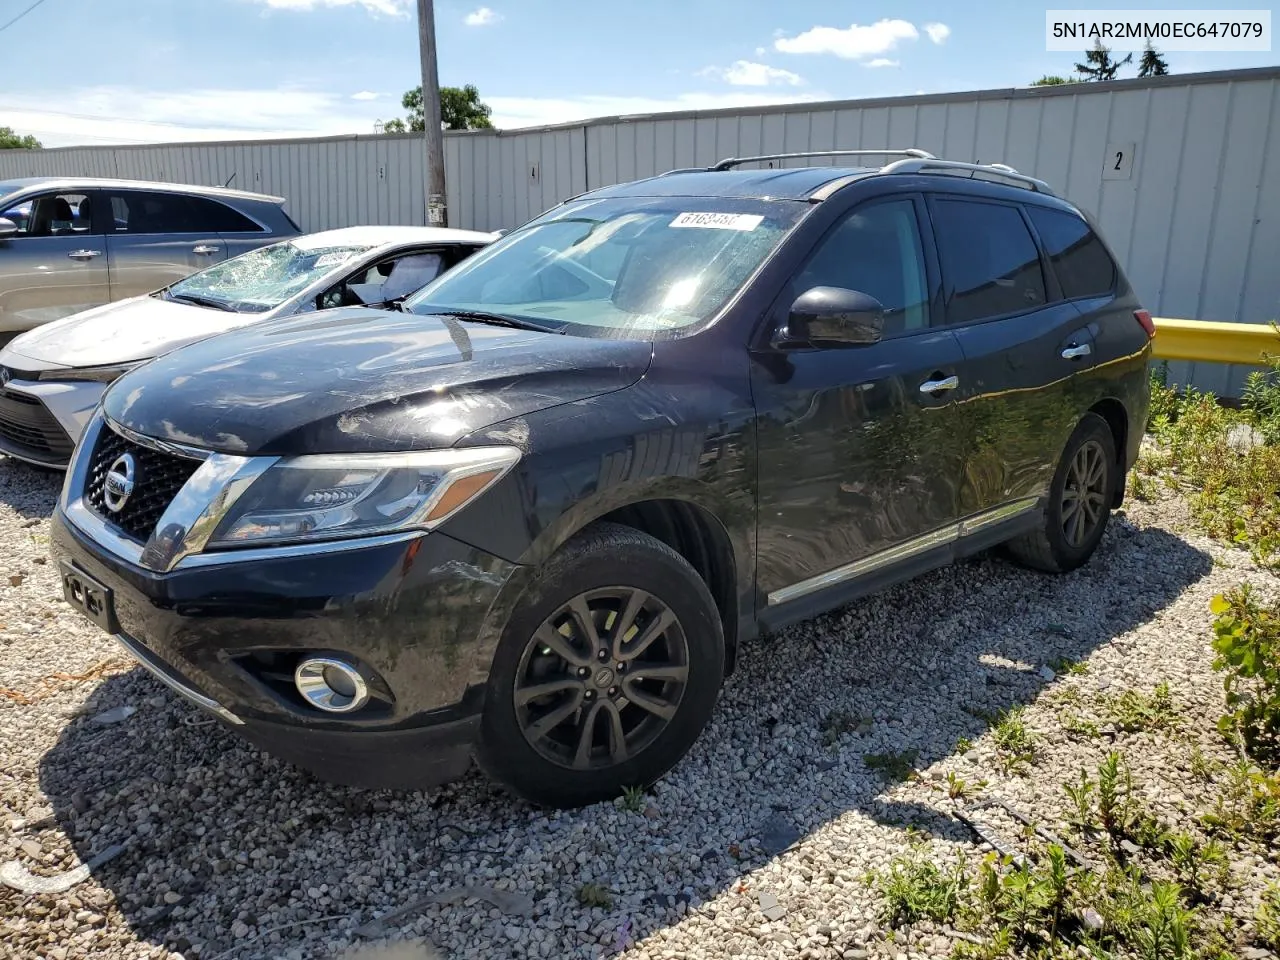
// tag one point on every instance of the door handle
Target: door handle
(1076, 351)
(204, 248)
(84, 254)
(937, 386)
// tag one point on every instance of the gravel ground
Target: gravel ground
(231, 854)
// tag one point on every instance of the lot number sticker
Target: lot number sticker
(719, 221)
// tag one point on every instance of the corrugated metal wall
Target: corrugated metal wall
(1193, 212)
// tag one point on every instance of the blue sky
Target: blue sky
(98, 71)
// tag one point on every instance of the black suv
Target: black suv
(532, 518)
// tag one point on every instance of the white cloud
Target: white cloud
(881, 62)
(99, 115)
(482, 17)
(392, 8)
(744, 73)
(365, 95)
(760, 51)
(509, 112)
(851, 43)
(938, 32)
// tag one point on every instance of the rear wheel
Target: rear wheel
(1080, 499)
(606, 673)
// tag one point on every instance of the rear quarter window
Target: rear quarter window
(990, 263)
(1080, 260)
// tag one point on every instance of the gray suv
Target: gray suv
(70, 244)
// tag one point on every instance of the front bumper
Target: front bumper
(415, 611)
(40, 421)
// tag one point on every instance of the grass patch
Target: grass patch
(632, 799)
(894, 767)
(595, 895)
(1014, 740)
(1134, 711)
(915, 889)
(1247, 643)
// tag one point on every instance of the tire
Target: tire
(533, 743)
(1059, 546)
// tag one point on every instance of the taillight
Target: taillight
(1144, 318)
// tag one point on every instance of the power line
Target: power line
(21, 15)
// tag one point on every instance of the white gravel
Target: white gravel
(232, 854)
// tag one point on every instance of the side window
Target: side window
(390, 279)
(214, 217)
(1081, 262)
(52, 215)
(140, 212)
(990, 264)
(875, 250)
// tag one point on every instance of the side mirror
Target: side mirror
(833, 316)
(7, 228)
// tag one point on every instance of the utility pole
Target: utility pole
(433, 135)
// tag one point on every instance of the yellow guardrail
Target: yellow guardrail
(1214, 342)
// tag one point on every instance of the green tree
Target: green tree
(1152, 63)
(460, 108)
(10, 140)
(394, 126)
(1053, 80)
(1098, 64)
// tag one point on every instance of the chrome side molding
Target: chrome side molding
(905, 550)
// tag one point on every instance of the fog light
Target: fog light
(331, 685)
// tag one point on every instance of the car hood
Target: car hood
(135, 329)
(363, 380)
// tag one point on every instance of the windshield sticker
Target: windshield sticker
(719, 221)
(332, 259)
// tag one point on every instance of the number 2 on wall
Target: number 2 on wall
(1118, 161)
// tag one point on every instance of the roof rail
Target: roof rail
(728, 163)
(1000, 171)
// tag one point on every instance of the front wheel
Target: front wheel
(1080, 499)
(606, 672)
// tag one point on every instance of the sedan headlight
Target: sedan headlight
(105, 374)
(328, 496)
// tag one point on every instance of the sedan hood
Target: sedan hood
(135, 329)
(363, 380)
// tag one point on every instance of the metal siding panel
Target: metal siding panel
(579, 181)
(875, 130)
(1083, 181)
(902, 127)
(626, 152)
(728, 138)
(1196, 188)
(1259, 292)
(932, 121)
(664, 147)
(773, 134)
(1022, 135)
(704, 142)
(848, 132)
(795, 137)
(1053, 153)
(822, 133)
(992, 132)
(961, 132)
(1118, 199)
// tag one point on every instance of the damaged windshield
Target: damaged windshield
(617, 267)
(261, 279)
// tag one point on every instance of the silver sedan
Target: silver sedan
(51, 378)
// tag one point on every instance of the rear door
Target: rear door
(56, 264)
(155, 238)
(858, 459)
(1023, 345)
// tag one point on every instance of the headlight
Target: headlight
(328, 496)
(99, 374)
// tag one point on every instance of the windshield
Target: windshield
(624, 267)
(261, 279)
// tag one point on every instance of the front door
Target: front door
(155, 239)
(55, 265)
(858, 461)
